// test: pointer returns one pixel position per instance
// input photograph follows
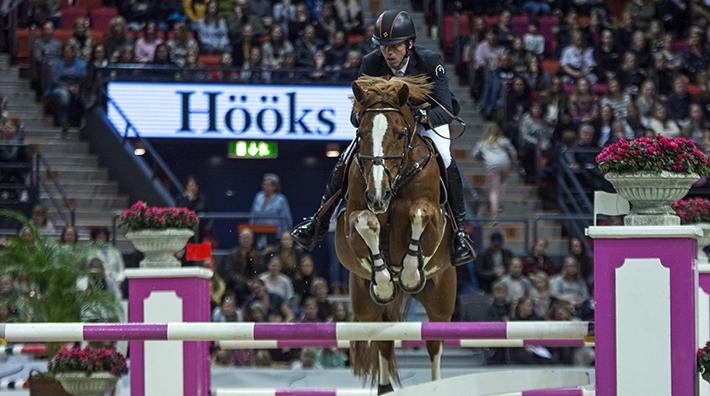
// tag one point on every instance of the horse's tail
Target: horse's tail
(365, 355)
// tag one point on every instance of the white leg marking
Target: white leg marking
(436, 365)
(384, 370)
(384, 288)
(379, 129)
(410, 275)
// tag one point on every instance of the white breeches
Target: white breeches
(440, 137)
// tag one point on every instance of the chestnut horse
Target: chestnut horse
(393, 233)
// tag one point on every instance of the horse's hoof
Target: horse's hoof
(418, 287)
(379, 300)
(384, 389)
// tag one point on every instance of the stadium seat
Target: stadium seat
(551, 66)
(62, 35)
(69, 14)
(519, 23)
(695, 91)
(449, 33)
(210, 60)
(101, 17)
(89, 4)
(22, 44)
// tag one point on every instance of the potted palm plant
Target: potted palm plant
(51, 271)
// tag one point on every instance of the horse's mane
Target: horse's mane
(419, 87)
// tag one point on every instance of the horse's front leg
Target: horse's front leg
(382, 287)
(422, 216)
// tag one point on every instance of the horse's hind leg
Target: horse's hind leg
(382, 288)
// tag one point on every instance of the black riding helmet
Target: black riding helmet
(393, 27)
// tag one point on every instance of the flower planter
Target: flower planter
(706, 376)
(160, 246)
(79, 384)
(651, 195)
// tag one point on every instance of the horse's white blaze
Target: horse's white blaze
(384, 370)
(379, 129)
(436, 365)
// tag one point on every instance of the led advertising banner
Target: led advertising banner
(230, 111)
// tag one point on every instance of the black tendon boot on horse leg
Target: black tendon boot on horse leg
(312, 230)
(461, 247)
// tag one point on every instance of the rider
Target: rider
(397, 56)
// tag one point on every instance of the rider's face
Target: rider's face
(394, 54)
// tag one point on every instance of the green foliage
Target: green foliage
(52, 270)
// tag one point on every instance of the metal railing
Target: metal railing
(573, 201)
(68, 218)
(131, 132)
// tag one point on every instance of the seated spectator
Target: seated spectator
(667, 65)
(540, 293)
(641, 13)
(287, 251)
(243, 45)
(577, 60)
(603, 126)
(69, 236)
(678, 103)
(81, 38)
(98, 59)
(350, 12)
(340, 312)
(227, 311)
(366, 45)
(319, 290)
(241, 263)
(659, 122)
(212, 31)
(536, 78)
(96, 279)
(336, 53)
(640, 48)
(14, 306)
(616, 99)
(524, 310)
(282, 12)
(697, 126)
(569, 286)
(63, 90)
(117, 38)
(516, 104)
(583, 105)
(554, 100)
(138, 12)
(271, 201)
(534, 8)
(586, 264)
(180, 44)
(111, 258)
(307, 360)
(146, 44)
(585, 165)
(303, 279)
(40, 220)
(351, 65)
(499, 310)
(227, 71)
(310, 311)
(193, 69)
(306, 47)
(321, 69)
(162, 56)
(275, 281)
(538, 260)
(634, 125)
(492, 262)
(276, 48)
(630, 75)
(517, 284)
(272, 303)
(126, 55)
(647, 98)
(31, 14)
(327, 24)
(696, 59)
(242, 16)
(607, 56)
(533, 41)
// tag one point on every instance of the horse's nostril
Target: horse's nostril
(387, 195)
(370, 196)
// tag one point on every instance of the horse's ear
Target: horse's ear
(357, 91)
(403, 95)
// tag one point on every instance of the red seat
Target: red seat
(69, 15)
(448, 33)
(101, 18)
(22, 45)
(210, 60)
(519, 23)
(62, 35)
(89, 4)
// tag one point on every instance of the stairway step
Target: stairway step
(91, 186)
(59, 146)
(67, 172)
(72, 159)
(98, 202)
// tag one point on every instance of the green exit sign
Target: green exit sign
(253, 149)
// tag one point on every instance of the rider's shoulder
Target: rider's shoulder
(430, 59)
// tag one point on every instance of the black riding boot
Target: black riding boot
(313, 229)
(461, 248)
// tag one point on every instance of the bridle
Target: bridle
(406, 134)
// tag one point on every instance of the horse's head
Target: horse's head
(385, 133)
